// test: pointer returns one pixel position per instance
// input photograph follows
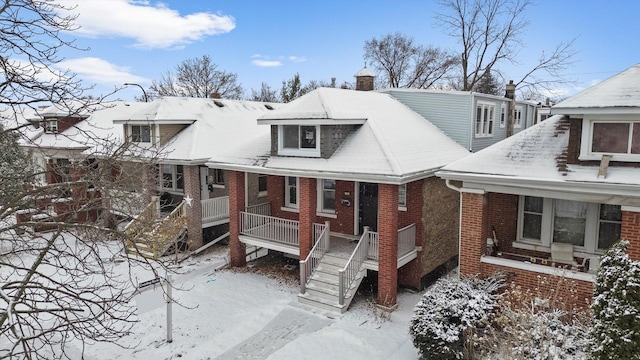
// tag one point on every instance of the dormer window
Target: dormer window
(51, 126)
(141, 133)
(621, 139)
(298, 140)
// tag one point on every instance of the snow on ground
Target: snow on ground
(227, 314)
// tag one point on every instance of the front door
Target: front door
(204, 187)
(368, 207)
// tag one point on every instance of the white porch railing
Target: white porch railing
(215, 209)
(348, 274)
(406, 239)
(270, 228)
(308, 265)
(374, 247)
(260, 209)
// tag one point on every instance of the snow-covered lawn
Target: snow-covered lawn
(227, 314)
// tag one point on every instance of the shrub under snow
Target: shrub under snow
(448, 310)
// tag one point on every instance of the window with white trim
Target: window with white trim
(517, 117)
(503, 115)
(402, 195)
(327, 196)
(590, 227)
(484, 119)
(262, 184)
(616, 137)
(218, 177)
(291, 193)
(172, 177)
(141, 133)
(51, 126)
(299, 140)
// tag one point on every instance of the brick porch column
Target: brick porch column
(191, 176)
(388, 244)
(474, 230)
(77, 174)
(308, 206)
(237, 250)
(631, 230)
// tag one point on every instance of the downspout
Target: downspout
(453, 187)
(472, 128)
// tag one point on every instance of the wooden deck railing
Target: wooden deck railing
(270, 228)
(348, 274)
(308, 265)
(215, 209)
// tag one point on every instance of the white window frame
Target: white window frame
(322, 209)
(51, 126)
(503, 115)
(174, 178)
(262, 193)
(141, 138)
(307, 152)
(402, 197)
(486, 125)
(287, 204)
(587, 140)
(546, 234)
(517, 116)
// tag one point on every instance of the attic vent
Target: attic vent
(218, 103)
(269, 107)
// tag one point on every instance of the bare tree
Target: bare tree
(490, 33)
(197, 77)
(404, 64)
(266, 94)
(59, 284)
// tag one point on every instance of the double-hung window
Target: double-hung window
(503, 115)
(517, 117)
(141, 133)
(291, 193)
(402, 196)
(51, 126)
(485, 113)
(327, 196)
(299, 140)
(172, 177)
(590, 227)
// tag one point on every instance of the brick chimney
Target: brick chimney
(214, 95)
(364, 79)
(511, 94)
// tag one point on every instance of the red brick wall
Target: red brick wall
(474, 232)
(503, 217)
(237, 249)
(631, 231)
(191, 176)
(343, 223)
(276, 196)
(411, 273)
(569, 292)
(388, 244)
(308, 207)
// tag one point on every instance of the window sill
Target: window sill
(262, 194)
(290, 209)
(483, 136)
(402, 208)
(217, 186)
(578, 251)
(327, 215)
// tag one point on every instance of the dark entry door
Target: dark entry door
(368, 207)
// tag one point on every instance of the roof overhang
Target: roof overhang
(619, 110)
(152, 121)
(312, 121)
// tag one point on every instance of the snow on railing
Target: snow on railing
(308, 265)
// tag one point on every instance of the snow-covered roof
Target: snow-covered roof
(215, 128)
(536, 158)
(618, 94)
(364, 72)
(393, 145)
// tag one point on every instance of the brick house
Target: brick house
(556, 195)
(350, 189)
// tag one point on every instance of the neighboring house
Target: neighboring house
(557, 194)
(350, 186)
(184, 133)
(474, 120)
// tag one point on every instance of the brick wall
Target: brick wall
(474, 232)
(308, 206)
(411, 273)
(191, 175)
(275, 195)
(343, 223)
(332, 136)
(503, 218)
(631, 231)
(237, 249)
(388, 244)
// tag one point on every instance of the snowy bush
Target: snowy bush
(616, 306)
(450, 309)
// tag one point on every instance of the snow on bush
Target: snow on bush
(616, 306)
(448, 310)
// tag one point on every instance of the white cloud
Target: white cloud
(100, 71)
(297, 59)
(151, 25)
(266, 63)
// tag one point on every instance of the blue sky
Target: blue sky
(269, 41)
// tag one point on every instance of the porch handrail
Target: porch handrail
(270, 228)
(308, 265)
(215, 209)
(144, 220)
(260, 209)
(406, 239)
(348, 274)
(374, 247)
